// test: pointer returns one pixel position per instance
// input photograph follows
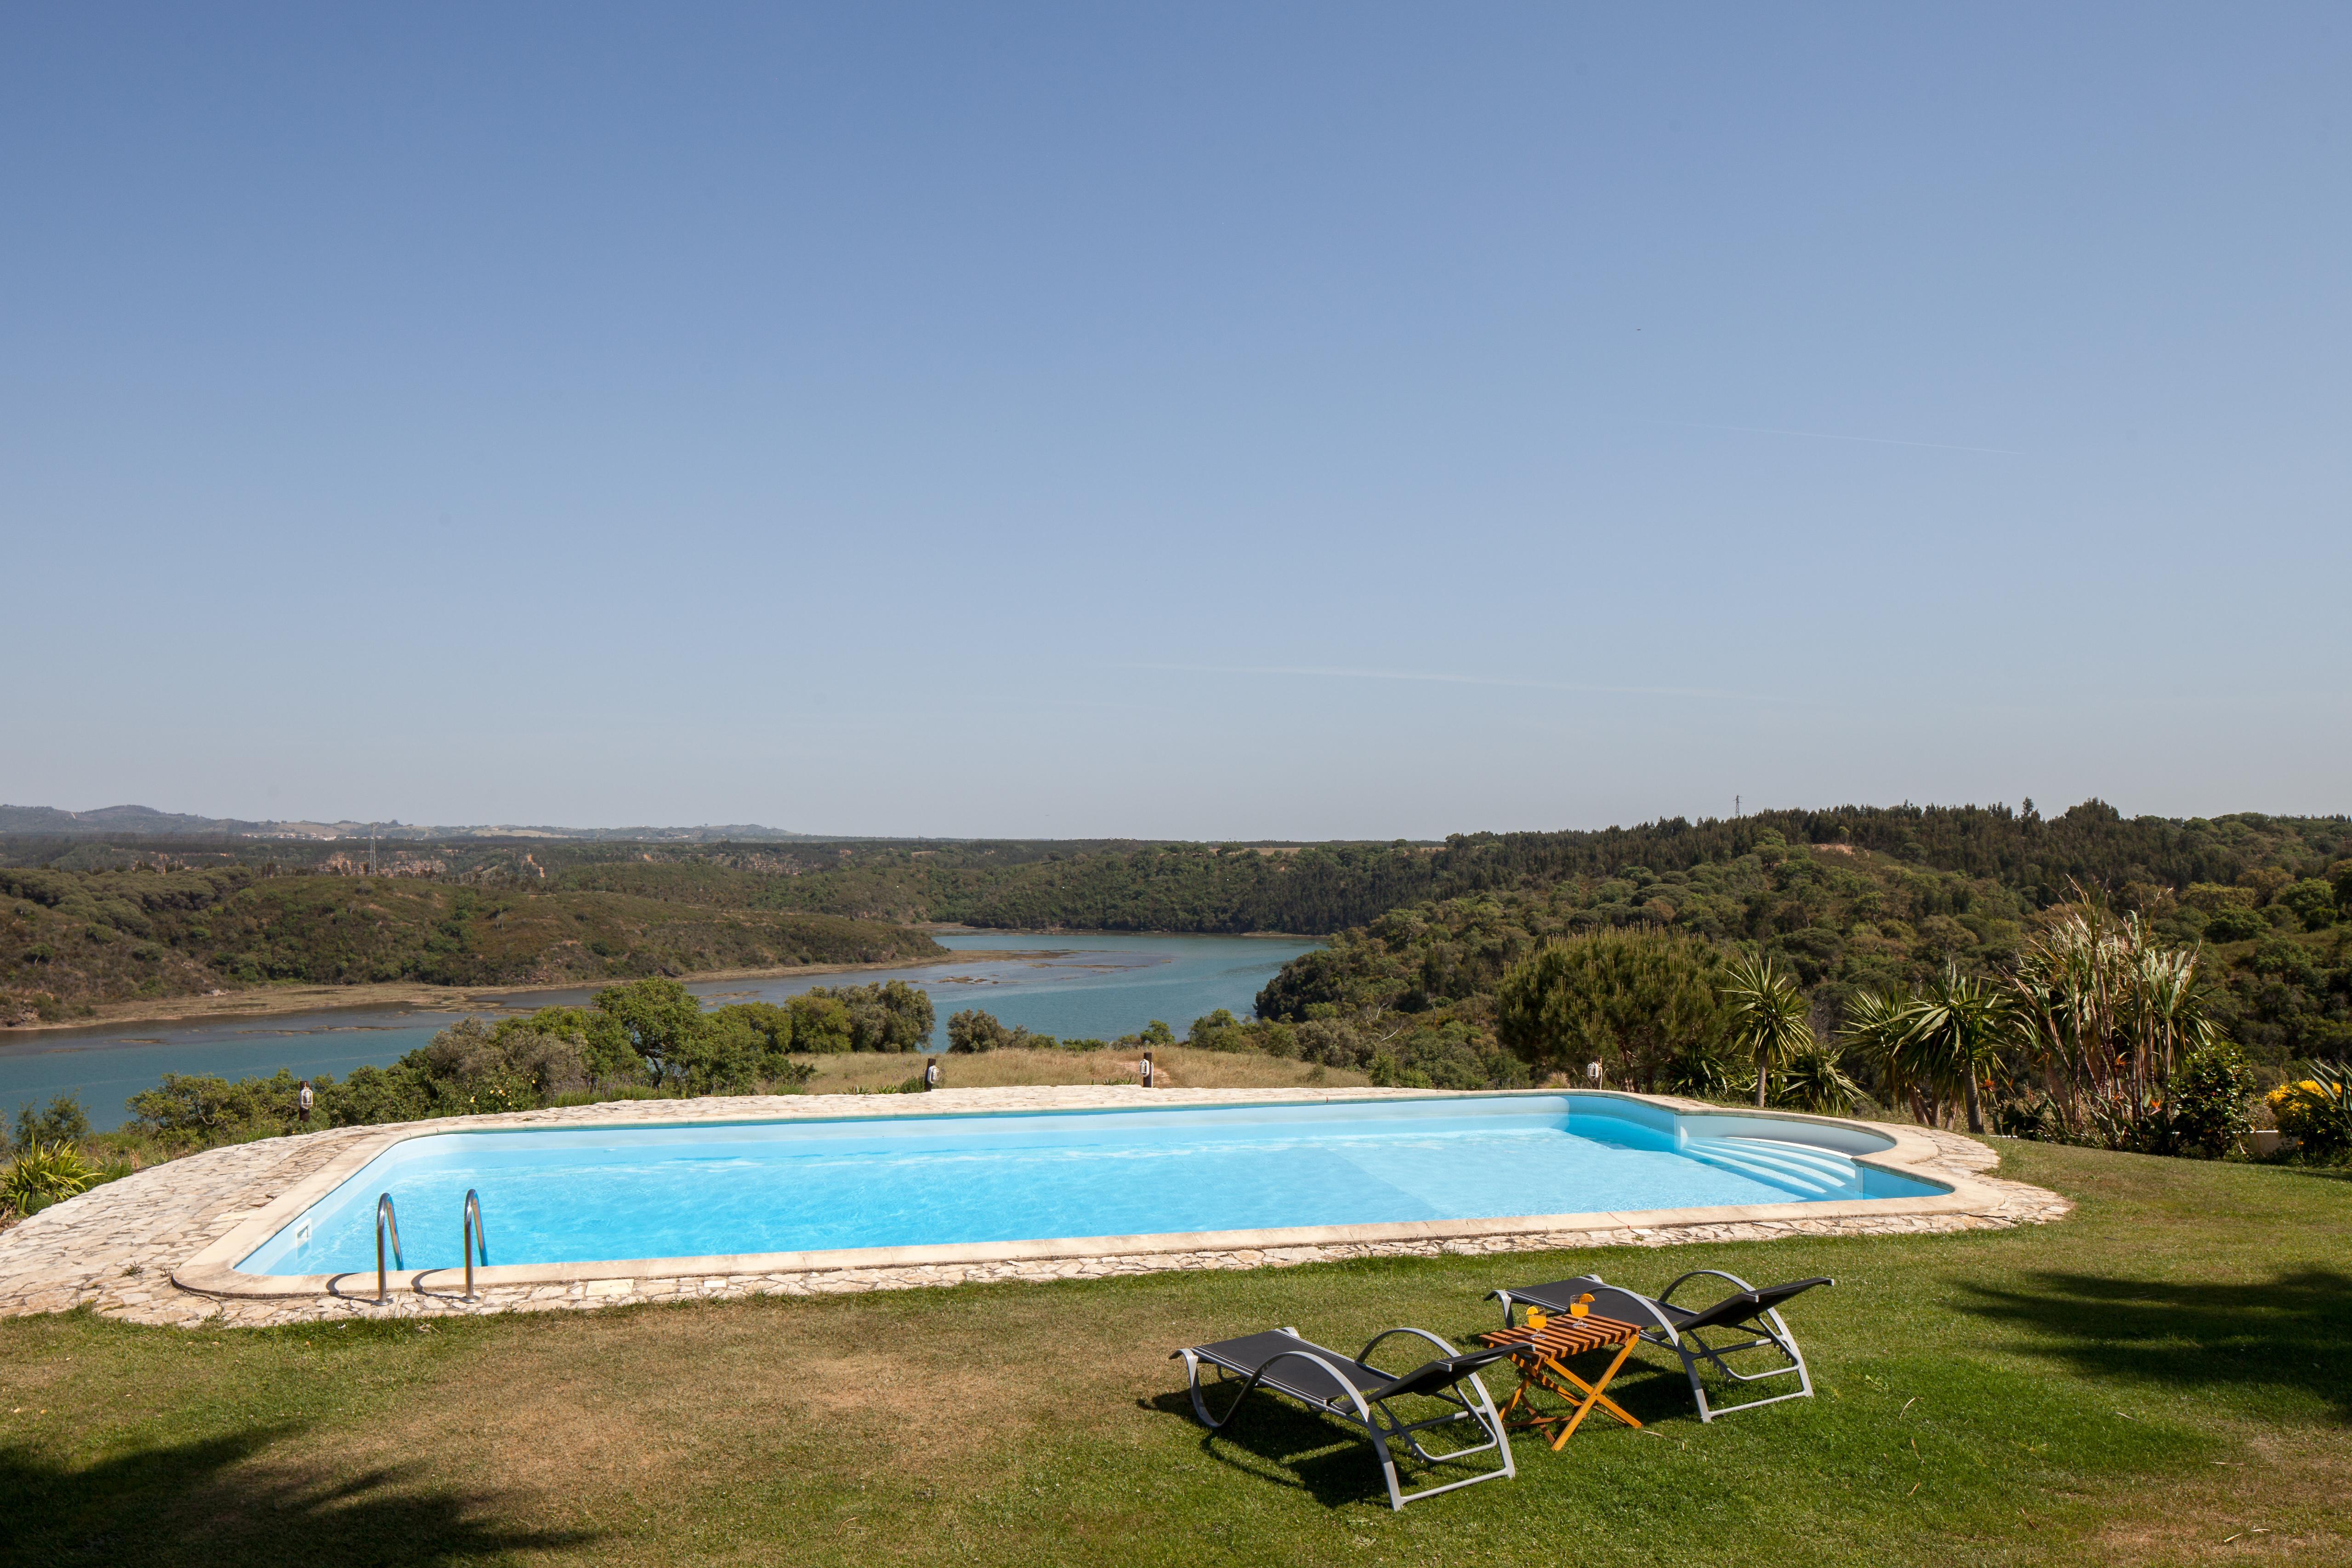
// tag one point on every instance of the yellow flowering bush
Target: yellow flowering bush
(2317, 1111)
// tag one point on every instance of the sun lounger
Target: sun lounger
(1352, 1390)
(1747, 1319)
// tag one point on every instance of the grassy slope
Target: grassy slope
(2166, 1370)
(105, 940)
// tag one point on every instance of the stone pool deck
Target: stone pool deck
(125, 1249)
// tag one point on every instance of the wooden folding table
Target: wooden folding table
(1554, 1341)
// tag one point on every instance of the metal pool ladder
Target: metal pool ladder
(386, 1218)
(475, 1238)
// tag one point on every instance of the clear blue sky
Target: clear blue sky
(1210, 422)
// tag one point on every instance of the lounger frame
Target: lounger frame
(1769, 1330)
(1382, 1426)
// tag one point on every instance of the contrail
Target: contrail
(1867, 440)
(1342, 673)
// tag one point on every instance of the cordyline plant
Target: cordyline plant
(1948, 1042)
(2104, 1014)
(1770, 1019)
(1953, 1037)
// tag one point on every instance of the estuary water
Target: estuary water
(1098, 986)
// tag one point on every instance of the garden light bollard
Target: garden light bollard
(1147, 1070)
(1592, 1073)
(931, 1074)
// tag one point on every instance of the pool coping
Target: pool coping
(1913, 1153)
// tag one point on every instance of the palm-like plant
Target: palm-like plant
(1770, 1020)
(2168, 1015)
(2105, 1013)
(1876, 1023)
(1812, 1079)
(43, 1173)
(1953, 1033)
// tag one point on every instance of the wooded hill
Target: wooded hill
(71, 937)
(1843, 921)
(1319, 888)
(1921, 884)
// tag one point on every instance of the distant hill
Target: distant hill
(139, 819)
(146, 822)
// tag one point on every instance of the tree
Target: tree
(606, 1051)
(2313, 901)
(660, 1017)
(1631, 1001)
(1878, 1027)
(773, 1024)
(972, 1031)
(820, 1023)
(892, 1016)
(1770, 1021)
(1956, 1030)
(721, 1057)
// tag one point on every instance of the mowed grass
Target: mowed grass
(2165, 1378)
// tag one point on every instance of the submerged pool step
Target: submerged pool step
(1800, 1167)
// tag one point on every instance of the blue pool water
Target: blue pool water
(611, 1194)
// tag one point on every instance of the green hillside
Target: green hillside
(2276, 945)
(70, 938)
(1320, 889)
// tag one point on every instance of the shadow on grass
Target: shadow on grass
(2290, 1332)
(1285, 1445)
(215, 1501)
(1282, 1445)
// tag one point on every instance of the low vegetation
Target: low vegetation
(2166, 1377)
(1173, 1067)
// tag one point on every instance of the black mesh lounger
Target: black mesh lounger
(1354, 1391)
(1746, 1311)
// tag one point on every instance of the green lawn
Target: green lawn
(2166, 1370)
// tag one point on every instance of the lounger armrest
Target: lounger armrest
(1737, 1283)
(1364, 1357)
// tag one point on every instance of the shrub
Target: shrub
(891, 1015)
(2316, 1109)
(1217, 1031)
(63, 1122)
(2036, 1118)
(972, 1031)
(2207, 1111)
(1812, 1079)
(1703, 1072)
(41, 1174)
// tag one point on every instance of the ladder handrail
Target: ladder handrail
(385, 1215)
(476, 1237)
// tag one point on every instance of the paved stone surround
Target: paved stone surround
(118, 1247)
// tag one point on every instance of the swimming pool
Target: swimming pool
(811, 1186)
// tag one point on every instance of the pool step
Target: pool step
(1799, 1167)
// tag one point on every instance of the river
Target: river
(1098, 986)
